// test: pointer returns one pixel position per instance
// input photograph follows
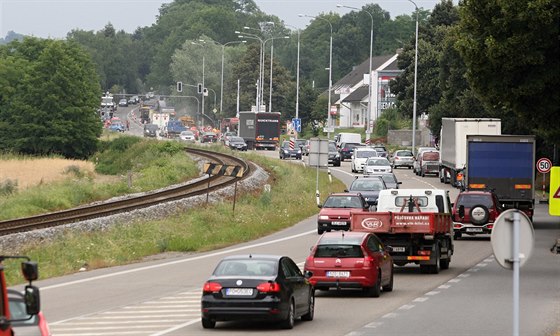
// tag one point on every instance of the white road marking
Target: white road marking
(390, 315)
(69, 283)
(420, 299)
(444, 286)
(454, 280)
(406, 307)
(373, 325)
(432, 293)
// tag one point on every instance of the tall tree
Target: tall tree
(52, 104)
(512, 54)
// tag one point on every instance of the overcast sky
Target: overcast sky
(47, 18)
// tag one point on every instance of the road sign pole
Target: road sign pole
(515, 259)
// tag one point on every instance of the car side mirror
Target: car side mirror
(388, 249)
(308, 274)
(462, 211)
(345, 190)
(319, 206)
(399, 182)
(32, 300)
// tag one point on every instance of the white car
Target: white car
(359, 158)
(187, 136)
(377, 165)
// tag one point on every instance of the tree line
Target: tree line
(496, 59)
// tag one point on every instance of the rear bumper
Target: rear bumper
(327, 226)
(471, 229)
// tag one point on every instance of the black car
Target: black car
(368, 187)
(390, 179)
(257, 287)
(237, 143)
(287, 151)
(334, 155)
(346, 149)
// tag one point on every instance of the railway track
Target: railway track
(199, 187)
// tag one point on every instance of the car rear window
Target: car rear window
(378, 162)
(343, 202)
(422, 201)
(366, 154)
(246, 267)
(468, 201)
(404, 153)
(338, 251)
(430, 156)
(366, 185)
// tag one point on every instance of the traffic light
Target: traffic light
(199, 88)
(179, 86)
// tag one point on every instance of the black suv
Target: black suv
(368, 187)
(334, 155)
(347, 149)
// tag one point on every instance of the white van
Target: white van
(348, 138)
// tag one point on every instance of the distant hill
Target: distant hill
(10, 36)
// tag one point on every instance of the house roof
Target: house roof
(357, 95)
(357, 74)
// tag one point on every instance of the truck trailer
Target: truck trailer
(504, 164)
(260, 130)
(453, 144)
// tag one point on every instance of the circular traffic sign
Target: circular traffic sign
(544, 165)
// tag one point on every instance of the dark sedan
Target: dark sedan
(237, 143)
(208, 137)
(368, 187)
(257, 287)
(289, 151)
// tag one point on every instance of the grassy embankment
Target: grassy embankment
(292, 198)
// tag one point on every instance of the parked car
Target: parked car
(390, 179)
(346, 149)
(368, 187)
(335, 212)
(334, 155)
(474, 212)
(237, 143)
(377, 165)
(287, 152)
(351, 260)
(23, 324)
(359, 158)
(187, 136)
(208, 137)
(257, 287)
(402, 158)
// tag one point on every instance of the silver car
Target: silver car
(377, 165)
(402, 158)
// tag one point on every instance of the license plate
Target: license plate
(338, 274)
(338, 223)
(474, 229)
(399, 249)
(239, 291)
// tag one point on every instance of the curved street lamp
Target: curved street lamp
(330, 71)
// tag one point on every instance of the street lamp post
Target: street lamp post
(203, 61)
(222, 79)
(297, 72)
(330, 73)
(256, 37)
(415, 79)
(370, 75)
(271, 57)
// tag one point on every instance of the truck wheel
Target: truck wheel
(320, 231)
(479, 214)
(444, 263)
(434, 269)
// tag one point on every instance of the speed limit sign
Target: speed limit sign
(544, 165)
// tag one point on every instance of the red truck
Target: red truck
(415, 223)
(30, 272)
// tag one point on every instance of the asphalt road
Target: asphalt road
(162, 297)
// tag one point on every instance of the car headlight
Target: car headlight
(323, 217)
(285, 151)
(299, 151)
(337, 155)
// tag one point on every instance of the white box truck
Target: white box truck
(453, 144)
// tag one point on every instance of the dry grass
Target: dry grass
(31, 172)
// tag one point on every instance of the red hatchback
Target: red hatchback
(351, 260)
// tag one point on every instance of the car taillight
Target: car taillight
(269, 287)
(457, 226)
(368, 261)
(212, 287)
(490, 226)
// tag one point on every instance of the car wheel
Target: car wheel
(208, 323)
(479, 214)
(311, 312)
(457, 235)
(337, 164)
(320, 231)
(422, 173)
(288, 323)
(375, 291)
(389, 286)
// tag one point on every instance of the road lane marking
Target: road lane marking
(420, 299)
(214, 254)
